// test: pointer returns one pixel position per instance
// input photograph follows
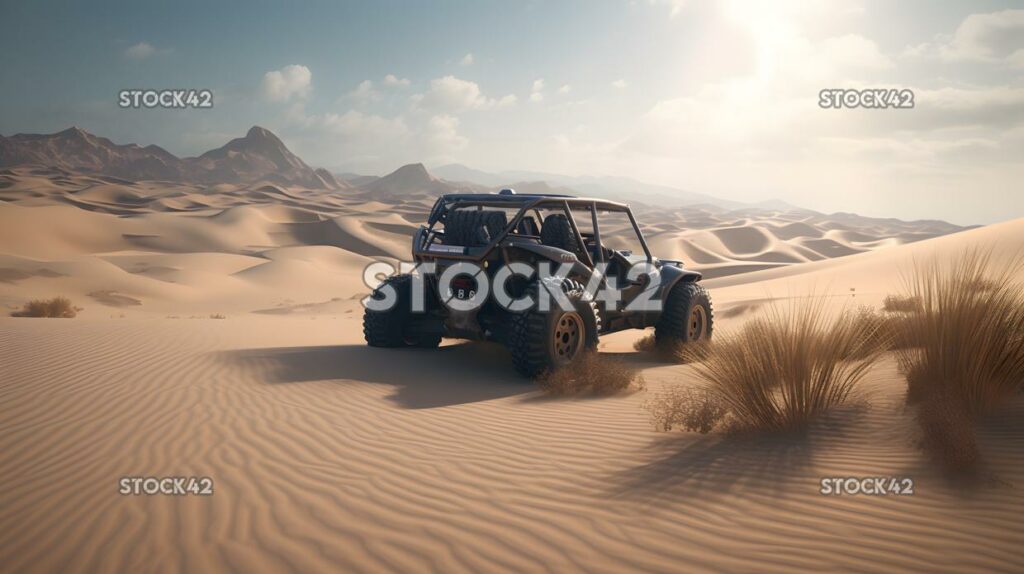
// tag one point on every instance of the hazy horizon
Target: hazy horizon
(719, 98)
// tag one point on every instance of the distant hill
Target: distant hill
(76, 150)
(413, 180)
(259, 155)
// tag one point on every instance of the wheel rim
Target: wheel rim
(568, 337)
(698, 323)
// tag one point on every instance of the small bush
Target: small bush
(217, 316)
(58, 307)
(686, 408)
(900, 304)
(961, 350)
(884, 328)
(646, 344)
(784, 369)
(966, 341)
(593, 373)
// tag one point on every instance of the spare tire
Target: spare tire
(473, 227)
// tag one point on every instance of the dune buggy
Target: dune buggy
(485, 262)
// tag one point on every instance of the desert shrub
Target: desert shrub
(885, 326)
(782, 370)
(58, 307)
(961, 350)
(966, 341)
(646, 344)
(217, 316)
(686, 408)
(878, 329)
(593, 373)
(900, 304)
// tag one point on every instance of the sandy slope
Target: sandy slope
(330, 456)
(866, 279)
(327, 455)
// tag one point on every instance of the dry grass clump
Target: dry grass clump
(782, 370)
(646, 344)
(592, 373)
(900, 304)
(686, 408)
(879, 329)
(57, 307)
(962, 351)
(966, 342)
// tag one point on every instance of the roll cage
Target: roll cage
(426, 246)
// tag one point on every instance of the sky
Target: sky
(711, 96)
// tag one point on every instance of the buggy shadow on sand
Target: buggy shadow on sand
(477, 247)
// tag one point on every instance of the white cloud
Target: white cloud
(466, 60)
(537, 90)
(441, 135)
(364, 93)
(393, 81)
(451, 94)
(506, 101)
(368, 92)
(994, 37)
(365, 127)
(140, 51)
(290, 81)
(374, 142)
(565, 89)
(619, 84)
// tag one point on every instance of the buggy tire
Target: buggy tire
(388, 328)
(686, 316)
(541, 341)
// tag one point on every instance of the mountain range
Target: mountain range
(258, 156)
(262, 156)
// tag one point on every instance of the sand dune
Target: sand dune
(866, 279)
(153, 242)
(327, 455)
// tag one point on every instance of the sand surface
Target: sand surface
(327, 455)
